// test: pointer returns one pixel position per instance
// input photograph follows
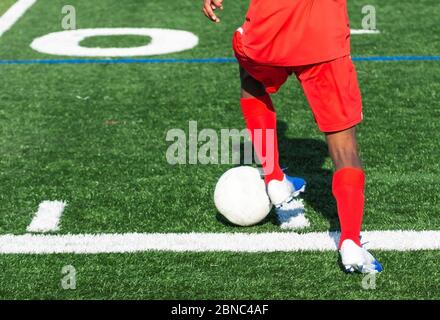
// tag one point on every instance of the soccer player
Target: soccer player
(310, 39)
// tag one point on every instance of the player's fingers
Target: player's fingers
(205, 13)
(218, 4)
(207, 9)
(210, 13)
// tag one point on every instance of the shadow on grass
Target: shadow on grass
(305, 158)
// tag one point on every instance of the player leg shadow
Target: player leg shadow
(305, 158)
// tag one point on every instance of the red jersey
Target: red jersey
(296, 32)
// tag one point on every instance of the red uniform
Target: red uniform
(310, 38)
(296, 32)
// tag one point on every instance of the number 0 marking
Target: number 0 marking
(163, 41)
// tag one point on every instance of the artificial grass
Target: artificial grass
(5, 5)
(98, 141)
(94, 135)
(115, 42)
(217, 276)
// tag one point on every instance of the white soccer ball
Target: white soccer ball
(240, 196)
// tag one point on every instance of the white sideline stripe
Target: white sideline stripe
(208, 242)
(48, 216)
(364, 31)
(11, 16)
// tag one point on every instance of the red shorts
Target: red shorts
(331, 87)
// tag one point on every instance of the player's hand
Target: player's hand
(209, 6)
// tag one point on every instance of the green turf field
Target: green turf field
(5, 4)
(94, 136)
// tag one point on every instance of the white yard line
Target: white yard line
(48, 216)
(10, 17)
(364, 31)
(211, 242)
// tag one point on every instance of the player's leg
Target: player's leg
(343, 149)
(348, 190)
(257, 82)
(348, 182)
(250, 87)
(334, 96)
(260, 117)
(258, 110)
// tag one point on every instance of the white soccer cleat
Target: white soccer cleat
(290, 211)
(358, 259)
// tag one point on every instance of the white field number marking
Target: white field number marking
(47, 218)
(212, 242)
(163, 41)
(11, 16)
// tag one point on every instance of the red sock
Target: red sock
(261, 122)
(348, 189)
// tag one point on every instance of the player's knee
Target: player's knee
(250, 87)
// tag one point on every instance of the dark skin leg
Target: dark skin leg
(342, 145)
(343, 149)
(250, 88)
